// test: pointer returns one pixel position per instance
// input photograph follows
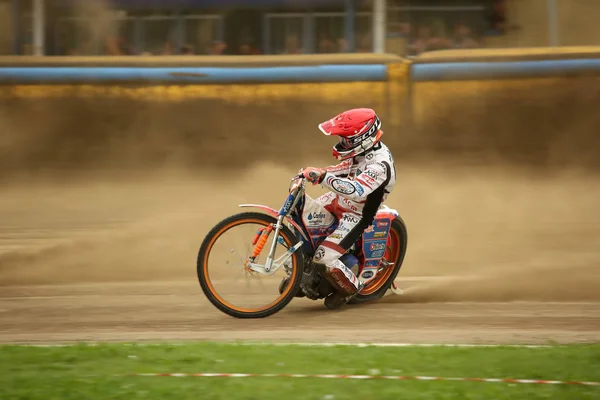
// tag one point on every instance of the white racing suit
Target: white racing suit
(358, 187)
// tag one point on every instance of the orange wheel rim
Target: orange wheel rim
(391, 254)
(207, 275)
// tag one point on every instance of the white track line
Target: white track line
(317, 344)
(301, 344)
(362, 377)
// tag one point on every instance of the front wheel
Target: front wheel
(225, 278)
(395, 252)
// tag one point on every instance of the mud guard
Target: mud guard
(386, 212)
(390, 213)
(275, 213)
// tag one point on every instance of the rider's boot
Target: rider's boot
(345, 283)
(338, 299)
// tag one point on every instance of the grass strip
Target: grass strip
(99, 372)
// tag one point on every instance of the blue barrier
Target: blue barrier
(318, 73)
(420, 72)
(199, 4)
(454, 71)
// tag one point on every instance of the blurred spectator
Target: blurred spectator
(420, 43)
(292, 45)
(439, 41)
(247, 49)
(115, 46)
(326, 45)
(404, 29)
(463, 37)
(169, 48)
(187, 50)
(363, 44)
(217, 48)
(85, 49)
(246, 42)
(400, 29)
(497, 18)
(427, 41)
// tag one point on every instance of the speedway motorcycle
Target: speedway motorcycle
(269, 255)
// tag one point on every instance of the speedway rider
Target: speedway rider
(359, 185)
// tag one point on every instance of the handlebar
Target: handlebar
(312, 174)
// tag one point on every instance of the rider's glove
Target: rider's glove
(314, 175)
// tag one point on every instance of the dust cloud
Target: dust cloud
(114, 190)
(539, 124)
(99, 24)
(129, 229)
(5, 29)
(579, 17)
(501, 234)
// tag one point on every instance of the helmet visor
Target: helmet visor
(345, 143)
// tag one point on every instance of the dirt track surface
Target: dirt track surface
(494, 257)
(177, 311)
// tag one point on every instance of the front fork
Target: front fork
(271, 255)
(271, 264)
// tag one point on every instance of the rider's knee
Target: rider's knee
(324, 256)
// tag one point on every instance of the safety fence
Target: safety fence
(143, 35)
(386, 81)
(435, 66)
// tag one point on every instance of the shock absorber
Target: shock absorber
(261, 241)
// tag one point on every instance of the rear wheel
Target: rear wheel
(226, 281)
(395, 252)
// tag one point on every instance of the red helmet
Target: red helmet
(359, 129)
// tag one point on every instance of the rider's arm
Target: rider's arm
(341, 169)
(374, 176)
